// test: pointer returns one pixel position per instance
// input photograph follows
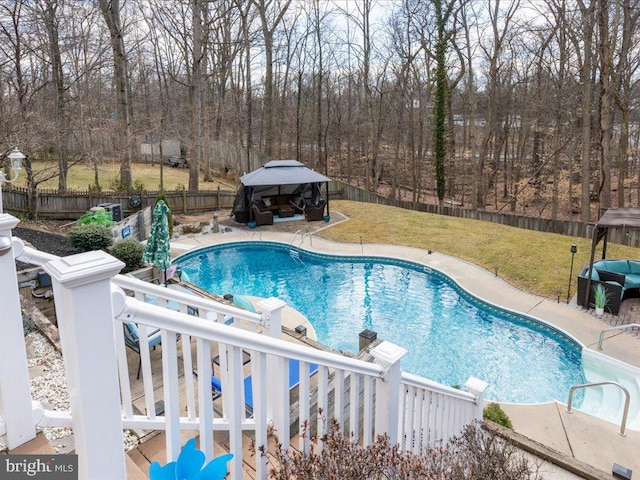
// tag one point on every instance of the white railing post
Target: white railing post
(477, 387)
(272, 311)
(82, 289)
(388, 392)
(278, 392)
(15, 393)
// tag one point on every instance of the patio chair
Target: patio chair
(132, 340)
(316, 212)
(294, 380)
(262, 217)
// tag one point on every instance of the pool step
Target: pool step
(607, 402)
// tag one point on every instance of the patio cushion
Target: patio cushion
(618, 266)
(634, 267)
(594, 275)
(632, 280)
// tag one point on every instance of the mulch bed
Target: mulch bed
(48, 242)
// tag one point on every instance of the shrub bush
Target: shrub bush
(130, 252)
(494, 412)
(476, 454)
(98, 217)
(90, 237)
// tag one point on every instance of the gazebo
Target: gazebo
(613, 218)
(281, 189)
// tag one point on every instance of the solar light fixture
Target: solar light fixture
(574, 249)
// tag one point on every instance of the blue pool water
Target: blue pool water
(449, 334)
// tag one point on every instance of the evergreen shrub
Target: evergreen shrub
(90, 237)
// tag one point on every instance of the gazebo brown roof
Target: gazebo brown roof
(620, 217)
(612, 218)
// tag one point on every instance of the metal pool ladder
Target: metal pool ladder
(619, 327)
(623, 424)
(302, 237)
(295, 255)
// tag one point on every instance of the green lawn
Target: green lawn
(80, 176)
(532, 261)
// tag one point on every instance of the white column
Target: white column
(477, 387)
(81, 284)
(388, 392)
(277, 372)
(15, 394)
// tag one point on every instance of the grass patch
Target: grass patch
(81, 175)
(536, 262)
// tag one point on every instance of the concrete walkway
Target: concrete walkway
(579, 436)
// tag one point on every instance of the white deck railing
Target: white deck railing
(91, 303)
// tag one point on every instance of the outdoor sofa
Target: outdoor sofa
(619, 278)
(278, 205)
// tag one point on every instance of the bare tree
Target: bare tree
(246, 11)
(624, 72)
(500, 22)
(271, 13)
(587, 11)
(111, 13)
(605, 104)
(195, 94)
(469, 94)
(49, 11)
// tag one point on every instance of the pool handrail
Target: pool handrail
(623, 423)
(611, 329)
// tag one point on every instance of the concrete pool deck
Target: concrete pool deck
(578, 436)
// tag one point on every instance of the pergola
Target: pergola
(626, 218)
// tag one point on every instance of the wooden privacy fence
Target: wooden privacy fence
(621, 236)
(73, 204)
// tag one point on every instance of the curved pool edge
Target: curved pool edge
(416, 257)
(569, 319)
(413, 263)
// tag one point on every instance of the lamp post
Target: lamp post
(574, 249)
(16, 158)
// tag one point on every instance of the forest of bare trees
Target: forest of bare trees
(526, 106)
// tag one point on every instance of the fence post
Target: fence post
(15, 393)
(82, 288)
(477, 387)
(388, 390)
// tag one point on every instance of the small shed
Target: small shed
(282, 188)
(613, 218)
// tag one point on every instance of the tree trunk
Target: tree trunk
(606, 108)
(585, 80)
(49, 15)
(111, 12)
(196, 95)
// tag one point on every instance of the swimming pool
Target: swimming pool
(449, 334)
